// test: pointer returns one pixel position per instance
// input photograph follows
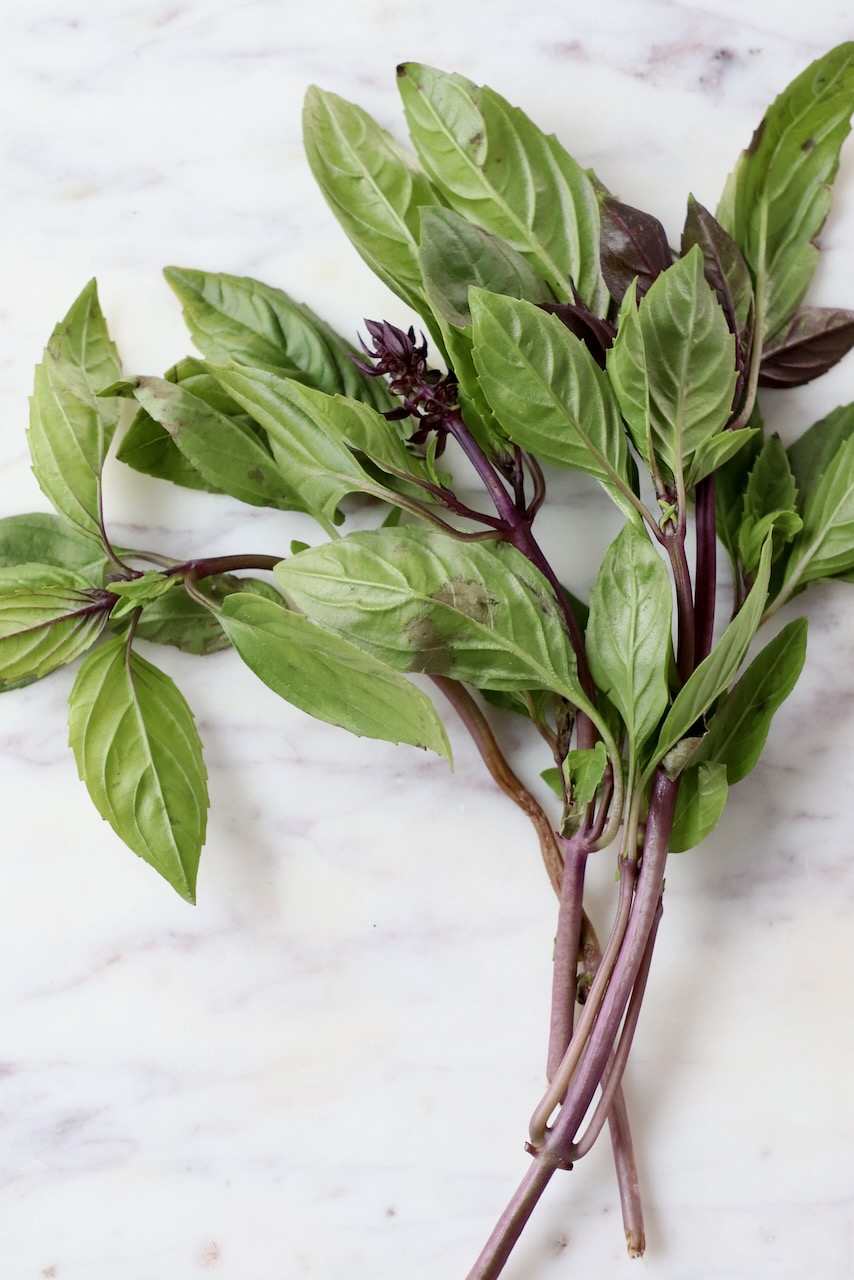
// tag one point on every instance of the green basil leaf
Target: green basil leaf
(553, 778)
(48, 539)
(139, 755)
(238, 318)
(548, 393)
(672, 365)
(328, 677)
(32, 577)
(715, 452)
(780, 526)
(701, 801)
(714, 674)
(176, 619)
(771, 484)
(42, 628)
(374, 188)
(494, 166)
(778, 196)
(811, 454)
(420, 601)
(825, 545)
(149, 448)
(739, 727)
(730, 484)
(585, 770)
(629, 632)
(70, 428)
(313, 437)
(220, 448)
(454, 254)
(139, 591)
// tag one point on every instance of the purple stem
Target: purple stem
(221, 564)
(612, 1079)
(565, 967)
(555, 1151)
(705, 577)
(675, 543)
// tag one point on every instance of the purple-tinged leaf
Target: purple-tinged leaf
(727, 273)
(633, 243)
(596, 334)
(816, 340)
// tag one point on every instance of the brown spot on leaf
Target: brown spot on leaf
(469, 598)
(256, 475)
(476, 139)
(431, 655)
(807, 144)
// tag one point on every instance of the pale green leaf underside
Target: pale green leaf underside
(497, 168)
(701, 801)
(372, 186)
(547, 391)
(314, 438)
(778, 195)
(138, 752)
(239, 318)
(629, 632)
(673, 365)
(420, 601)
(70, 428)
(328, 677)
(44, 627)
(221, 449)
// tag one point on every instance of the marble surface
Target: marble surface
(326, 1068)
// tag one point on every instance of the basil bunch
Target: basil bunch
(563, 330)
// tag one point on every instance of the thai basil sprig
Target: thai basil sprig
(573, 335)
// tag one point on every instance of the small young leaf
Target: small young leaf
(739, 727)
(770, 502)
(420, 601)
(70, 427)
(714, 674)
(629, 632)
(825, 545)
(715, 452)
(494, 166)
(548, 393)
(374, 188)
(814, 342)
(778, 196)
(730, 484)
(327, 676)
(139, 591)
(238, 318)
(42, 628)
(634, 246)
(811, 454)
(585, 771)
(177, 620)
(701, 801)
(455, 255)
(138, 752)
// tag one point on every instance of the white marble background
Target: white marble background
(326, 1068)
